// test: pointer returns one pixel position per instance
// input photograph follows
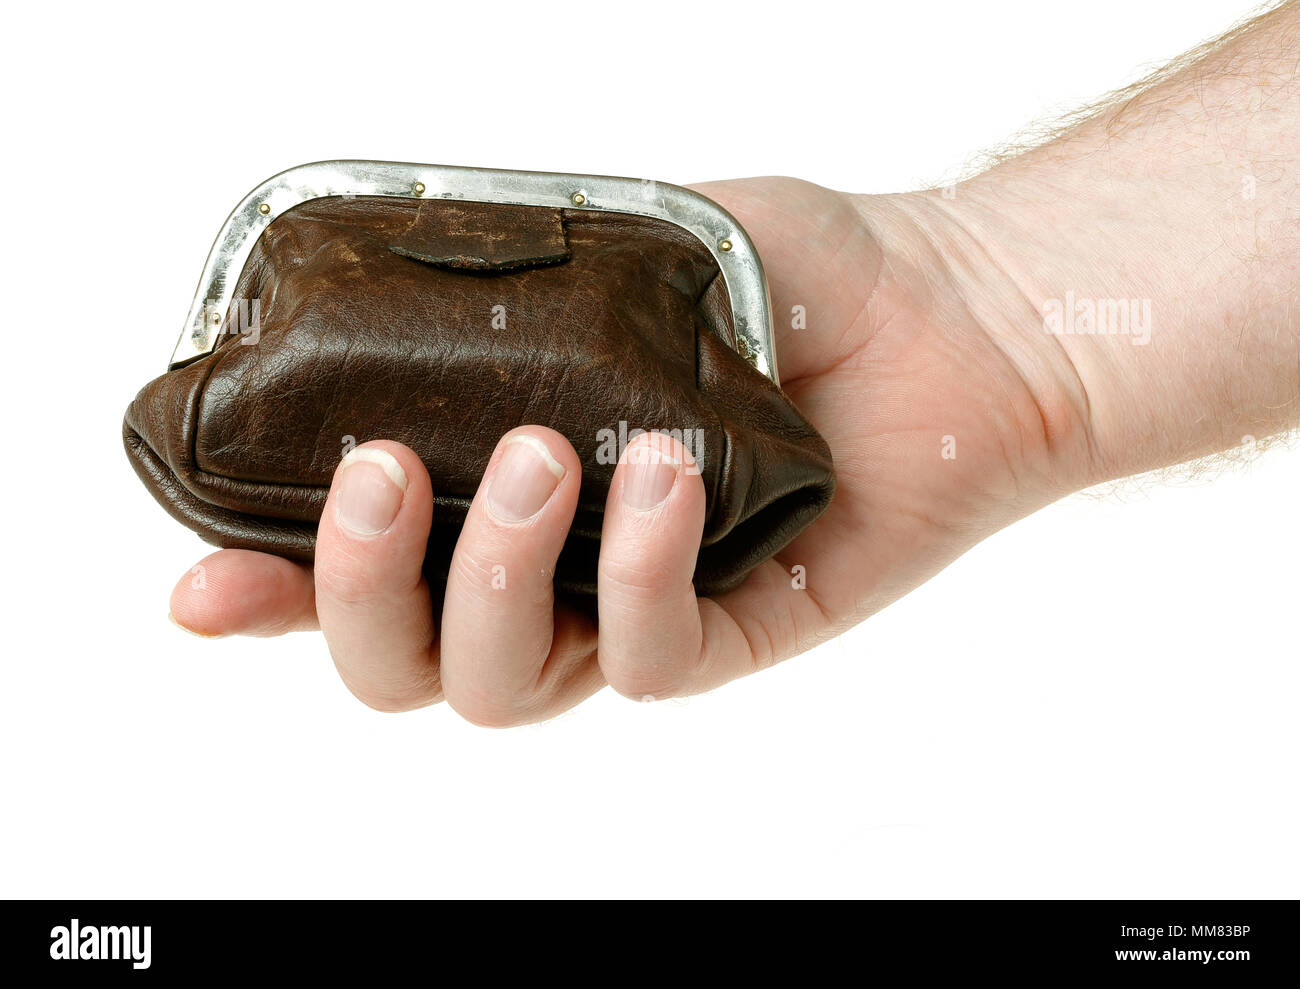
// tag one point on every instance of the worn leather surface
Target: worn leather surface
(443, 325)
(484, 236)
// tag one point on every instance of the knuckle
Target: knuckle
(393, 698)
(637, 680)
(346, 580)
(483, 575)
(487, 711)
(489, 715)
(471, 566)
(626, 575)
(385, 703)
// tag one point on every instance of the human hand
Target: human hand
(943, 426)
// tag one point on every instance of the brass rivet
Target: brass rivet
(578, 199)
(264, 209)
(418, 188)
(724, 245)
(216, 317)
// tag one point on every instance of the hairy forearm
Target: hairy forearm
(1157, 242)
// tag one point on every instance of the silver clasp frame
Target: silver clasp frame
(713, 226)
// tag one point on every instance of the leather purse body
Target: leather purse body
(442, 324)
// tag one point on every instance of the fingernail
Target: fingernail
(525, 478)
(202, 635)
(651, 474)
(370, 489)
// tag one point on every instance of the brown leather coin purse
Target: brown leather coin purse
(440, 307)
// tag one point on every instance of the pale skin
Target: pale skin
(950, 410)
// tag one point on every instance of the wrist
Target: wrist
(1155, 248)
(941, 257)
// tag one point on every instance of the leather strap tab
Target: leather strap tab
(483, 236)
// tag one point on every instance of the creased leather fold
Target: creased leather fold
(629, 329)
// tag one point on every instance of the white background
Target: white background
(1099, 701)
